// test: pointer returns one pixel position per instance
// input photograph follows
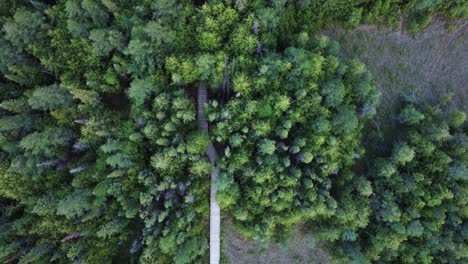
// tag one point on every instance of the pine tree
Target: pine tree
(50, 98)
(25, 28)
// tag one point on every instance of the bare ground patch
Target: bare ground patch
(299, 251)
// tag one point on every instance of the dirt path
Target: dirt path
(215, 212)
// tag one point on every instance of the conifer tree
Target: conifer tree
(417, 209)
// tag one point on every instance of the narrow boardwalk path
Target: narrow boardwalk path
(215, 212)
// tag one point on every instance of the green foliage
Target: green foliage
(44, 143)
(267, 147)
(105, 41)
(228, 193)
(49, 98)
(215, 23)
(419, 21)
(168, 244)
(15, 123)
(139, 90)
(201, 168)
(11, 184)
(74, 204)
(36, 255)
(410, 115)
(18, 105)
(402, 154)
(284, 145)
(333, 48)
(82, 15)
(112, 228)
(420, 195)
(197, 143)
(345, 121)
(101, 159)
(24, 28)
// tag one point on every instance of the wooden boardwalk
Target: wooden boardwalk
(215, 211)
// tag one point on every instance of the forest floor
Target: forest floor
(300, 249)
(425, 66)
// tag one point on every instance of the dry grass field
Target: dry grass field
(426, 65)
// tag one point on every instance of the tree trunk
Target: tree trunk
(215, 212)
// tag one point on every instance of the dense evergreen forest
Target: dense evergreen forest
(102, 159)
